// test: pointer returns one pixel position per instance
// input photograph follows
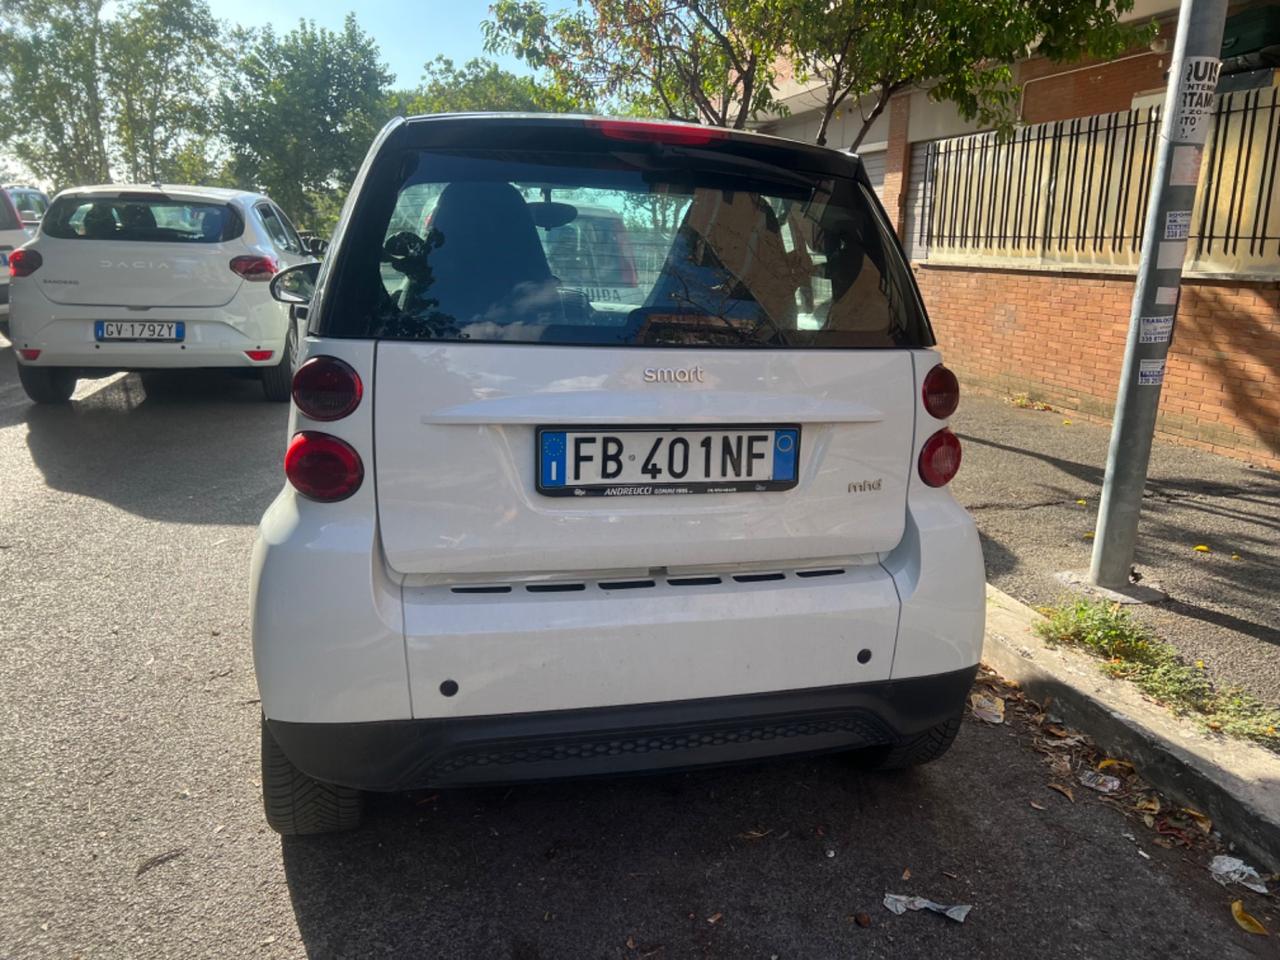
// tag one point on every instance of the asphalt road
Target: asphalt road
(131, 824)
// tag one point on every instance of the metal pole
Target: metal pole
(1184, 122)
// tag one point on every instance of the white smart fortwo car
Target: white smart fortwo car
(532, 530)
(152, 277)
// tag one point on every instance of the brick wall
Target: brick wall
(1059, 337)
(897, 163)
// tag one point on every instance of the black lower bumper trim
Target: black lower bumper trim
(461, 751)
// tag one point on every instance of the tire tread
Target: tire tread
(296, 804)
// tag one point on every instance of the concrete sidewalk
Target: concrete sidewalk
(1025, 470)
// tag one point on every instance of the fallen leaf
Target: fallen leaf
(631, 943)
(1066, 423)
(755, 834)
(1081, 502)
(1088, 536)
(1038, 806)
(715, 918)
(1235, 556)
(863, 920)
(266, 942)
(1113, 762)
(1247, 922)
(1149, 820)
(1148, 804)
(1202, 548)
(1065, 791)
(906, 874)
(1201, 821)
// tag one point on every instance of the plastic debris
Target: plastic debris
(897, 903)
(1234, 870)
(986, 707)
(1099, 781)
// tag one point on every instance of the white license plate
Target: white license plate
(646, 461)
(158, 330)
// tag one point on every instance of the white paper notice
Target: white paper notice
(1155, 329)
(1195, 100)
(1150, 373)
(1184, 168)
(1170, 255)
(1177, 224)
(1167, 296)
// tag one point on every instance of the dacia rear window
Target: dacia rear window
(141, 220)
(620, 247)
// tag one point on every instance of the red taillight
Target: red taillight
(326, 388)
(258, 355)
(23, 263)
(657, 131)
(254, 268)
(941, 392)
(322, 467)
(940, 458)
(29, 354)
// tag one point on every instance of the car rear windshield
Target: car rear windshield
(8, 215)
(619, 248)
(140, 219)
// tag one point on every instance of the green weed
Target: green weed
(1131, 652)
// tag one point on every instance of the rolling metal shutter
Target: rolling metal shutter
(918, 193)
(873, 163)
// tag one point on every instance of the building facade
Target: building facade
(1026, 249)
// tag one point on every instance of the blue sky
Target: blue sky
(408, 33)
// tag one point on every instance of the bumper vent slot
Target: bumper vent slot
(555, 587)
(497, 589)
(693, 581)
(758, 577)
(627, 584)
(833, 572)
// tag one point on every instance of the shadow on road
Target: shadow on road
(573, 869)
(189, 447)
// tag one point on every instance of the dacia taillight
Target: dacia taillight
(257, 269)
(23, 263)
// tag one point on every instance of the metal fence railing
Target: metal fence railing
(1074, 192)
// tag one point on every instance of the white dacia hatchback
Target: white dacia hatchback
(528, 533)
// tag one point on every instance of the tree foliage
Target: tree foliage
(962, 51)
(157, 70)
(480, 84)
(707, 60)
(54, 120)
(299, 110)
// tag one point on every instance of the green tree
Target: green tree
(481, 84)
(157, 69)
(299, 111)
(54, 120)
(961, 51)
(707, 60)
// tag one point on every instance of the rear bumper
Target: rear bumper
(214, 336)
(467, 751)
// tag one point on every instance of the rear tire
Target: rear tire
(913, 751)
(47, 384)
(277, 381)
(296, 804)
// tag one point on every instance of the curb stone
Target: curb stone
(1236, 783)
